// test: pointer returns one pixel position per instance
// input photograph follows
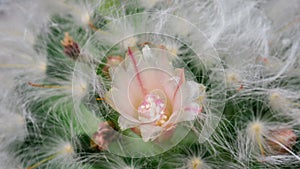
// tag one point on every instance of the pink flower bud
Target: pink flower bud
(112, 61)
(104, 136)
(286, 137)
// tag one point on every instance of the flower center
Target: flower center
(152, 108)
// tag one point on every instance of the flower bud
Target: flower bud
(285, 136)
(103, 136)
(111, 62)
(71, 48)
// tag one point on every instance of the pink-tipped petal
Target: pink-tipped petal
(180, 73)
(153, 78)
(188, 113)
(137, 71)
(192, 91)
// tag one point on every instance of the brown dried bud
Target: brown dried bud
(71, 48)
(103, 136)
(144, 44)
(286, 137)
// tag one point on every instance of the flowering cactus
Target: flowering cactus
(151, 95)
(196, 84)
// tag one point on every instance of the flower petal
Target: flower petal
(137, 72)
(189, 113)
(122, 104)
(181, 81)
(173, 89)
(191, 91)
(153, 78)
(150, 132)
(124, 123)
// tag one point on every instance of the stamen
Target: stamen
(151, 108)
(154, 109)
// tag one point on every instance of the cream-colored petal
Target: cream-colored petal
(153, 78)
(150, 132)
(169, 86)
(191, 90)
(157, 58)
(122, 104)
(123, 81)
(124, 123)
